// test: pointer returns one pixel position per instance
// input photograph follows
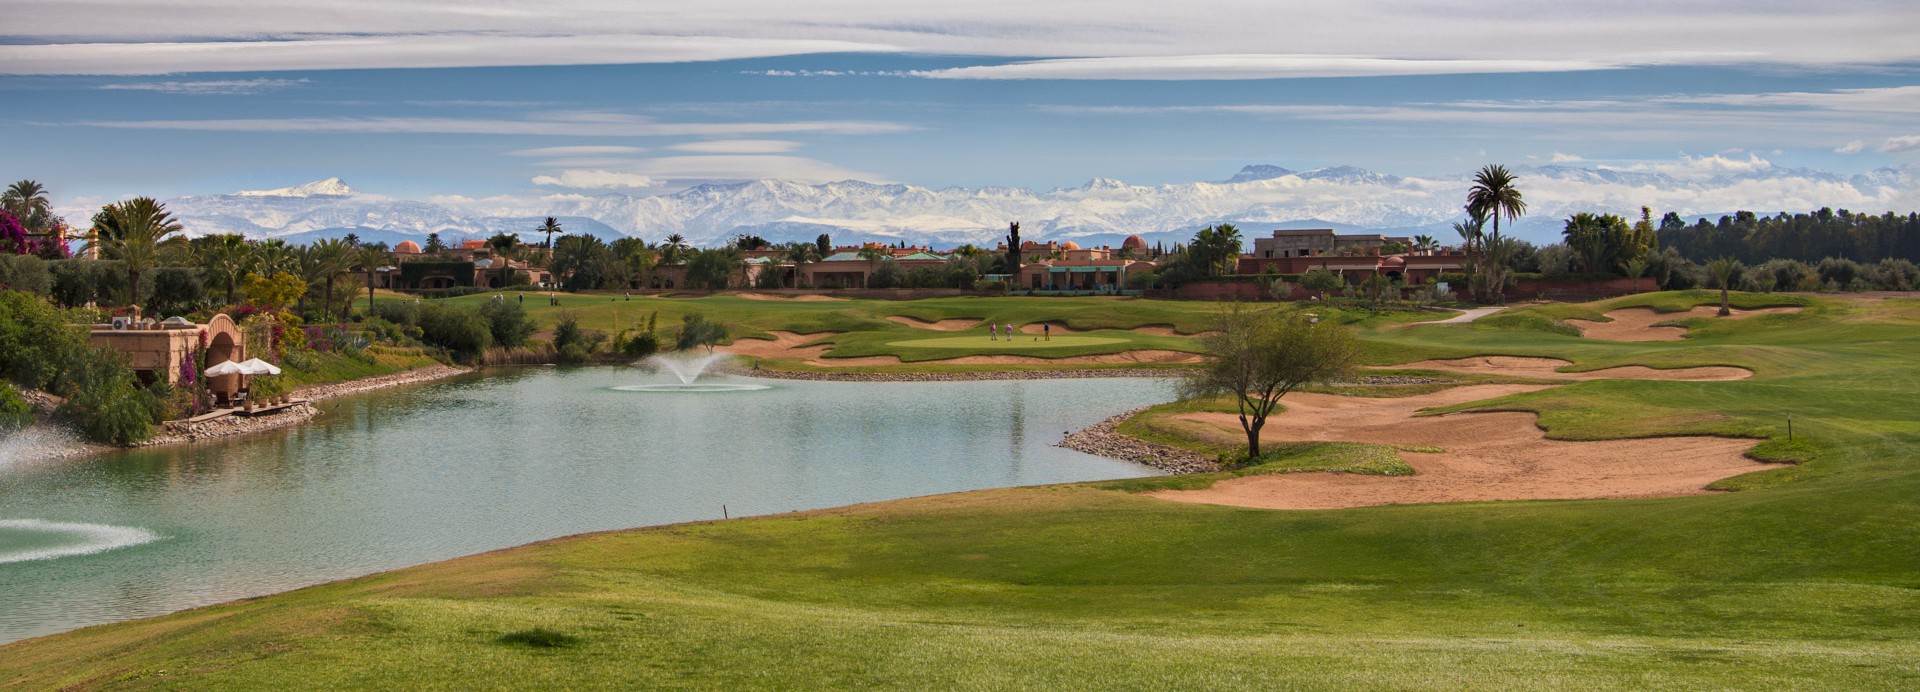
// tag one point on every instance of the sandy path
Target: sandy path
(1464, 317)
(1489, 456)
(1547, 369)
(1637, 324)
(805, 298)
(789, 345)
(946, 325)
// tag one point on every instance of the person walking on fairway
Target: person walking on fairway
(1047, 329)
(993, 331)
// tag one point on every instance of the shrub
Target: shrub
(103, 399)
(507, 322)
(641, 345)
(15, 413)
(175, 291)
(25, 273)
(462, 332)
(567, 332)
(574, 354)
(397, 312)
(695, 331)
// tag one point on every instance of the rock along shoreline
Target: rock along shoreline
(60, 445)
(1101, 439)
(735, 369)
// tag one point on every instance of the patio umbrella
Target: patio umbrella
(225, 367)
(255, 366)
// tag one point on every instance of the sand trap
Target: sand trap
(1041, 328)
(1158, 330)
(1489, 456)
(949, 325)
(787, 345)
(1548, 369)
(807, 298)
(1637, 324)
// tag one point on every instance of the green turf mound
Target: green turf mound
(1021, 342)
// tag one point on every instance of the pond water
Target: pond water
(435, 471)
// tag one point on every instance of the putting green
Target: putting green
(1020, 342)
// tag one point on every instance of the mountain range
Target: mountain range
(1103, 211)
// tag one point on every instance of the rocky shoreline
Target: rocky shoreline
(54, 443)
(1100, 439)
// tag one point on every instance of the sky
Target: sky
(116, 98)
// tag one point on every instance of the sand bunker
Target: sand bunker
(1158, 330)
(787, 345)
(807, 298)
(1637, 324)
(1489, 456)
(1548, 369)
(949, 325)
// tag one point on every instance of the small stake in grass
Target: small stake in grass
(1789, 427)
(723, 512)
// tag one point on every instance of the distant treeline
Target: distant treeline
(1811, 237)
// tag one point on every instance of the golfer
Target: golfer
(993, 331)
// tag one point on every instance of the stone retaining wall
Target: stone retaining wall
(1101, 439)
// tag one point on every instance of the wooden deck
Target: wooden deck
(270, 410)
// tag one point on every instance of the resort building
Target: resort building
(1065, 266)
(1320, 242)
(472, 264)
(161, 351)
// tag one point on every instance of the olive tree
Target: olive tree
(1258, 356)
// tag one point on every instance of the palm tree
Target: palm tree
(1493, 196)
(332, 258)
(551, 227)
(1636, 268)
(273, 257)
(27, 201)
(226, 259)
(1722, 269)
(1424, 244)
(1471, 233)
(800, 254)
(136, 232)
(368, 259)
(672, 248)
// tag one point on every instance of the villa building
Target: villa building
(161, 351)
(1065, 266)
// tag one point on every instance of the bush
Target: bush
(175, 291)
(103, 400)
(461, 331)
(25, 273)
(696, 331)
(15, 413)
(401, 312)
(641, 345)
(574, 354)
(567, 332)
(507, 322)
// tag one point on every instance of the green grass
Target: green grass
(326, 368)
(1806, 578)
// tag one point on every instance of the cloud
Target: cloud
(1565, 158)
(596, 180)
(1901, 143)
(585, 150)
(565, 124)
(739, 146)
(144, 37)
(411, 51)
(1852, 147)
(1212, 67)
(1697, 167)
(204, 88)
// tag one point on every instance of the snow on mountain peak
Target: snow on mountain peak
(331, 187)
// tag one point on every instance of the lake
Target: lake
(435, 471)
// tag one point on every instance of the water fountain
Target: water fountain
(688, 369)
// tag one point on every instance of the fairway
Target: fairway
(1019, 343)
(1801, 577)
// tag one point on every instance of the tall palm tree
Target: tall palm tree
(1493, 196)
(27, 201)
(136, 232)
(367, 259)
(1424, 244)
(1471, 233)
(332, 257)
(673, 249)
(551, 227)
(273, 257)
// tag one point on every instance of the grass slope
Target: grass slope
(1807, 580)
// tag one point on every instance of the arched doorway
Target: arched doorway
(224, 343)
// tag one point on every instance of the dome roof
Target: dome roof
(1069, 245)
(1394, 261)
(1135, 242)
(408, 247)
(474, 244)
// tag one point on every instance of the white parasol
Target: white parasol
(225, 367)
(255, 366)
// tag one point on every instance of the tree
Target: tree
(1723, 268)
(27, 201)
(332, 257)
(135, 232)
(550, 227)
(695, 330)
(1493, 196)
(1258, 356)
(824, 244)
(1013, 248)
(800, 254)
(1215, 249)
(1636, 268)
(505, 245)
(1320, 280)
(368, 259)
(1424, 244)
(712, 269)
(434, 245)
(673, 249)
(225, 259)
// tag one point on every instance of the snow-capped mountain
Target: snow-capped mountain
(1258, 198)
